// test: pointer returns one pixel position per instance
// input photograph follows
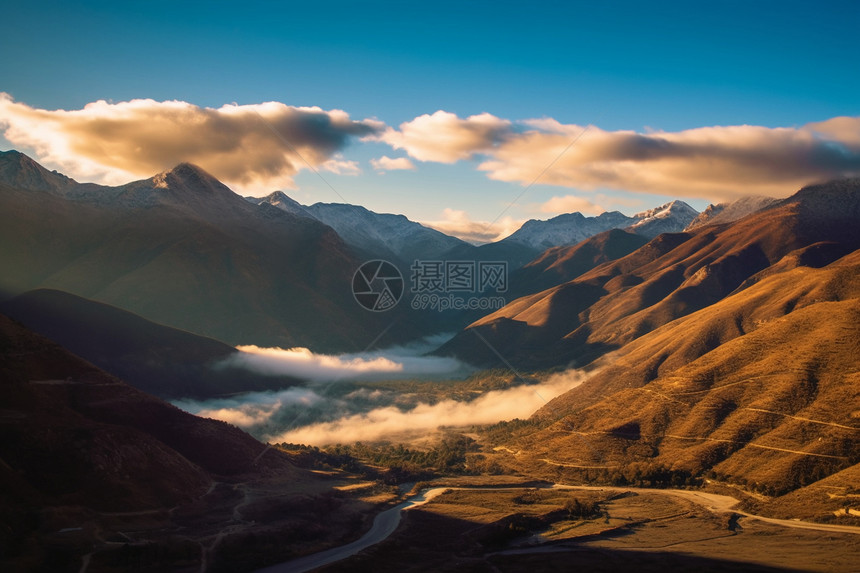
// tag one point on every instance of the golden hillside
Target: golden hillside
(761, 389)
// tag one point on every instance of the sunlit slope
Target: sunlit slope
(761, 388)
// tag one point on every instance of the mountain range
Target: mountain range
(382, 235)
(571, 228)
(719, 348)
(183, 250)
(671, 276)
(402, 240)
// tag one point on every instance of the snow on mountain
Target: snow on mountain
(383, 233)
(283, 202)
(571, 228)
(566, 229)
(732, 211)
(673, 217)
(374, 234)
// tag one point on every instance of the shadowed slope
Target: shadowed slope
(183, 250)
(164, 361)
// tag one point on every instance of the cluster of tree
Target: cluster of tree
(394, 463)
(505, 530)
(633, 474)
(504, 432)
(581, 509)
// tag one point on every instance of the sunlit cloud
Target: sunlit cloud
(259, 147)
(386, 163)
(845, 130)
(571, 204)
(445, 138)
(253, 148)
(716, 163)
(340, 166)
(251, 409)
(709, 162)
(458, 223)
(390, 422)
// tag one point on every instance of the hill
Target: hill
(758, 390)
(75, 440)
(157, 359)
(559, 265)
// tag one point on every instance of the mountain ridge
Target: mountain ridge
(671, 276)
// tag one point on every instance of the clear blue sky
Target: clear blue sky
(637, 66)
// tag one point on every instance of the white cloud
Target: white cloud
(443, 137)
(340, 166)
(458, 224)
(250, 147)
(386, 163)
(401, 362)
(389, 422)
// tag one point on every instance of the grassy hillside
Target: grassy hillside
(761, 390)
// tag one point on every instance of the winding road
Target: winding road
(386, 522)
(383, 525)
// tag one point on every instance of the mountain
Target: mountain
(157, 359)
(566, 229)
(372, 235)
(758, 390)
(672, 276)
(85, 457)
(732, 211)
(571, 228)
(381, 233)
(559, 265)
(283, 202)
(181, 249)
(672, 217)
(18, 170)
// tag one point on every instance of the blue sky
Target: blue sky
(645, 68)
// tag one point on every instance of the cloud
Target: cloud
(570, 204)
(842, 129)
(386, 163)
(445, 138)
(252, 409)
(251, 147)
(708, 162)
(341, 411)
(339, 166)
(389, 422)
(399, 362)
(716, 163)
(457, 223)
